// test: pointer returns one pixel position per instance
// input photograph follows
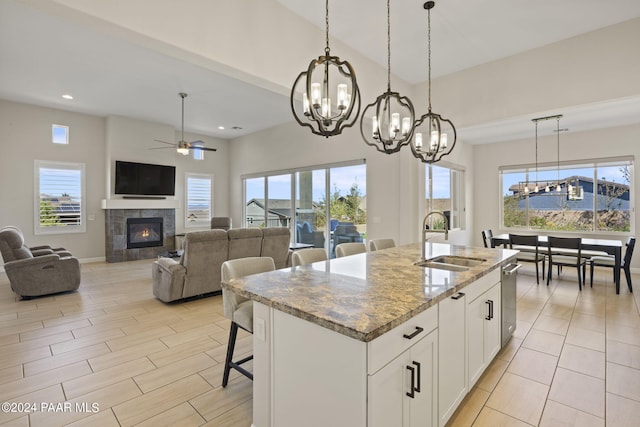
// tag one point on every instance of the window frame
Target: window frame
(66, 228)
(456, 189)
(197, 224)
(53, 134)
(529, 172)
(293, 172)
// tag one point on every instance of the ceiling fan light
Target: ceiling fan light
(183, 151)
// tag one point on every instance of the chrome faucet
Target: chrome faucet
(425, 230)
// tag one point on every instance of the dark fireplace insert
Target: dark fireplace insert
(144, 232)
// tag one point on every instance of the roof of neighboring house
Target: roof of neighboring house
(517, 188)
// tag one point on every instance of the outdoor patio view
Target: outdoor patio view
(330, 204)
(585, 197)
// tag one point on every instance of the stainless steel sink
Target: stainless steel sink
(458, 260)
(450, 262)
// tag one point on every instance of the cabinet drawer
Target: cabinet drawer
(480, 286)
(385, 348)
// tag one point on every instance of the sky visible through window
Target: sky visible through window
(280, 186)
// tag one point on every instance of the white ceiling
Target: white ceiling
(42, 57)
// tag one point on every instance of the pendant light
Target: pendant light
(392, 116)
(433, 135)
(327, 76)
(536, 120)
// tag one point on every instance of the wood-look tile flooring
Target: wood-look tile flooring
(574, 359)
(116, 356)
(112, 355)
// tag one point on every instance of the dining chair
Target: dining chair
(308, 256)
(377, 244)
(529, 251)
(609, 261)
(239, 309)
(487, 235)
(566, 251)
(346, 249)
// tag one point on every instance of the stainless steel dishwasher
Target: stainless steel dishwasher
(508, 300)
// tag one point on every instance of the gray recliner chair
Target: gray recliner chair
(37, 271)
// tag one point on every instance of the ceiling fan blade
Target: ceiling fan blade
(198, 142)
(165, 142)
(204, 148)
(160, 148)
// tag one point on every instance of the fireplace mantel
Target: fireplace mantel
(140, 203)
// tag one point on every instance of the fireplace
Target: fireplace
(144, 232)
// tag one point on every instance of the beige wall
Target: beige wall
(25, 136)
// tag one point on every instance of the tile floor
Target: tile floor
(574, 359)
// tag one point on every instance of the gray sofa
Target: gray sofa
(36, 271)
(197, 272)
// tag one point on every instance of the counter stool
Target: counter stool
(239, 309)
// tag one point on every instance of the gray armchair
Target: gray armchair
(37, 271)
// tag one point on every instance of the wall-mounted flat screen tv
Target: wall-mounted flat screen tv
(143, 179)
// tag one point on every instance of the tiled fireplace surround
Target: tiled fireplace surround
(116, 234)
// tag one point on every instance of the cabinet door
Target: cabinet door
(483, 332)
(387, 394)
(451, 355)
(493, 336)
(476, 312)
(403, 393)
(424, 357)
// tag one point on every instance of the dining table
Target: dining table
(610, 246)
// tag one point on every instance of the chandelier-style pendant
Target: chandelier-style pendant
(392, 116)
(433, 136)
(331, 98)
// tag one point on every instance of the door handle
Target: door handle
(490, 303)
(418, 375)
(457, 296)
(416, 332)
(411, 393)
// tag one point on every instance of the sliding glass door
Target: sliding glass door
(329, 203)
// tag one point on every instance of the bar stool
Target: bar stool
(239, 309)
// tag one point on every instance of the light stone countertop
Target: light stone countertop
(363, 296)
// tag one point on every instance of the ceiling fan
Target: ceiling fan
(183, 146)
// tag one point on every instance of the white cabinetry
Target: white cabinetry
(403, 393)
(483, 326)
(452, 383)
(307, 375)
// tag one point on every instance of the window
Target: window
(198, 200)
(59, 201)
(59, 134)
(312, 202)
(585, 196)
(198, 154)
(444, 191)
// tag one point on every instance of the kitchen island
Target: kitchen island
(338, 342)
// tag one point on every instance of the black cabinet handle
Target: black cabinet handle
(490, 316)
(458, 296)
(411, 393)
(416, 332)
(418, 374)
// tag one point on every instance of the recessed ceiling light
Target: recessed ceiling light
(221, 127)
(67, 96)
